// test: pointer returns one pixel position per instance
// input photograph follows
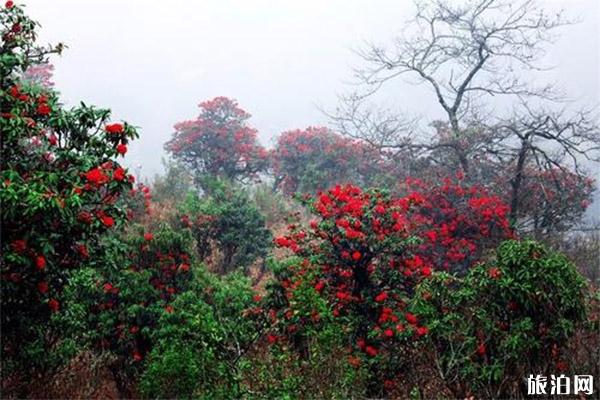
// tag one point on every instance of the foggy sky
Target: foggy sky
(152, 62)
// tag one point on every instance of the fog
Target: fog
(153, 62)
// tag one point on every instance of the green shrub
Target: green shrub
(504, 320)
(226, 221)
(199, 345)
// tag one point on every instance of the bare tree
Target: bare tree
(466, 51)
(548, 148)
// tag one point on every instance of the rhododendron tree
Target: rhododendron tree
(115, 302)
(317, 158)
(61, 185)
(350, 268)
(548, 200)
(358, 262)
(219, 143)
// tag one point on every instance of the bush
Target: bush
(226, 226)
(115, 304)
(359, 262)
(458, 224)
(505, 319)
(200, 344)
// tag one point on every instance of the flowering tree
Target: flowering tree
(219, 143)
(316, 158)
(61, 185)
(357, 264)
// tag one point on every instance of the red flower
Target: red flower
(19, 246)
(43, 287)
(381, 297)
(426, 271)
(356, 255)
(371, 351)
(494, 273)
(9, 4)
(108, 287)
(184, 267)
(107, 221)
(422, 331)
(148, 236)
(83, 251)
(114, 128)
(271, 338)
(481, 349)
(53, 140)
(169, 309)
(122, 149)
(137, 356)
(282, 241)
(96, 176)
(54, 305)
(40, 262)
(119, 174)
(388, 332)
(43, 109)
(411, 318)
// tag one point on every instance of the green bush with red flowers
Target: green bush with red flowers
(359, 261)
(115, 304)
(61, 186)
(506, 319)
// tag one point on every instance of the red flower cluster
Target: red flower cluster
(457, 224)
(359, 258)
(354, 258)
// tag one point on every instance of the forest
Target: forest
(367, 258)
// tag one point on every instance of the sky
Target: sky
(152, 62)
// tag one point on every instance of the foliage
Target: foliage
(61, 187)
(505, 319)
(226, 221)
(201, 342)
(117, 302)
(358, 264)
(349, 268)
(218, 143)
